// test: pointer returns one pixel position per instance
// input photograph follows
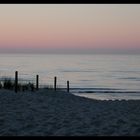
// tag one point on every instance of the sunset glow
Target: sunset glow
(80, 26)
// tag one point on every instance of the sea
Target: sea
(95, 76)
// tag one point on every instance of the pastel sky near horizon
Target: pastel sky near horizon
(69, 27)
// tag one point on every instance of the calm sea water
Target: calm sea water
(93, 76)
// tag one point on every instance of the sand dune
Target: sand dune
(48, 113)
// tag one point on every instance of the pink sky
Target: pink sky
(90, 26)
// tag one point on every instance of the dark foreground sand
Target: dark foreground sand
(48, 113)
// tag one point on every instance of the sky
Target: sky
(69, 28)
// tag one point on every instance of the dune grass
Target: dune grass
(9, 84)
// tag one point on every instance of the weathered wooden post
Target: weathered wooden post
(16, 81)
(37, 82)
(55, 80)
(68, 86)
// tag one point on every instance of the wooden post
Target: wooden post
(68, 86)
(16, 81)
(55, 80)
(37, 82)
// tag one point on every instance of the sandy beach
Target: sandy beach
(49, 113)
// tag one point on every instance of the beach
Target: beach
(70, 70)
(49, 113)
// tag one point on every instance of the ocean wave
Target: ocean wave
(103, 90)
(108, 91)
(131, 78)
